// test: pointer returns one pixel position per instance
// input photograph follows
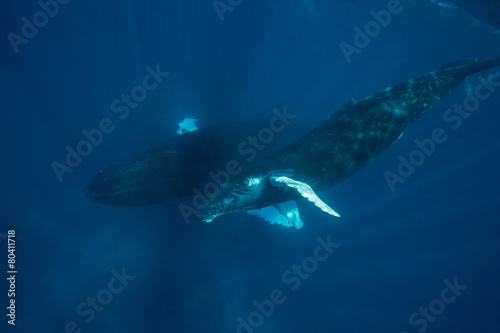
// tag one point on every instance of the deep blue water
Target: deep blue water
(396, 247)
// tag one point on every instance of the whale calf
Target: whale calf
(346, 142)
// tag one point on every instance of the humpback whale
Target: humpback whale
(346, 142)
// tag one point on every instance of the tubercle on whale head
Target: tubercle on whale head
(243, 193)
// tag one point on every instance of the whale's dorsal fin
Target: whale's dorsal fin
(350, 102)
(306, 191)
(187, 125)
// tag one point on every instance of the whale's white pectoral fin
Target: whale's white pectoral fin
(187, 125)
(285, 214)
(306, 191)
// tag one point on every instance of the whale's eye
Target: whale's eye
(254, 181)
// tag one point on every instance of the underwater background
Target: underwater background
(421, 256)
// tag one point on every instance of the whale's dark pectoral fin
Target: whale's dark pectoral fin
(306, 191)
